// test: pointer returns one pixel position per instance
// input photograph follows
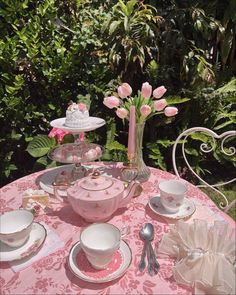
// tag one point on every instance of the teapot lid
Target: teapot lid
(96, 187)
(96, 183)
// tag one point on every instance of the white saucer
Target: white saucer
(36, 238)
(186, 209)
(94, 123)
(87, 273)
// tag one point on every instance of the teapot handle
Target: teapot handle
(129, 193)
(56, 188)
(62, 182)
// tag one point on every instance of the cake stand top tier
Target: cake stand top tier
(94, 123)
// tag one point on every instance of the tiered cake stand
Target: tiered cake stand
(77, 152)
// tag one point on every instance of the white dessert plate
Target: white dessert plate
(186, 209)
(36, 238)
(81, 268)
(94, 123)
(46, 179)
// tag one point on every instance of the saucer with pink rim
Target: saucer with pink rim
(186, 209)
(32, 245)
(81, 267)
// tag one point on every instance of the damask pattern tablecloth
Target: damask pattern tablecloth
(51, 274)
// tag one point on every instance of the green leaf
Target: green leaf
(226, 46)
(200, 67)
(10, 89)
(192, 152)
(157, 158)
(15, 135)
(121, 5)
(115, 145)
(9, 169)
(165, 142)
(222, 125)
(13, 102)
(126, 23)
(43, 161)
(200, 136)
(40, 146)
(130, 6)
(229, 87)
(51, 106)
(198, 25)
(113, 26)
(107, 156)
(176, 99)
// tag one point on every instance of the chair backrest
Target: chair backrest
(216, 140)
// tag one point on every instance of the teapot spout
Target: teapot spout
(133, 190)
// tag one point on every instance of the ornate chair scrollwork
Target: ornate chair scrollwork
(225, 143)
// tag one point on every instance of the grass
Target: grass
(216, 198)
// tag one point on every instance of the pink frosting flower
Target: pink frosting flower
(111, 102)
(145, 110)
(57, 132)
(146, 90)
(170, 111)
(122, 113)
(82, 106)
(160, 104)
(82, 136)
(159, 92)
(124, 90)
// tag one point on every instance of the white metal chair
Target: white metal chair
(226, 147)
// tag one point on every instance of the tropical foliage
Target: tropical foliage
(54, 51)
(132, 31)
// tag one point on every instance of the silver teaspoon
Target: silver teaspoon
(142, 263)
(147, 234)
(154, 265)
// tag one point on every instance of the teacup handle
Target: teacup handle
(125, 230)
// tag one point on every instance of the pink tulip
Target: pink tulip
(160, 104)
(57, 132)
(111, 102)
(124, 90)
(146, 90)
(159, 92)
(145, 110)
(122, 113)
(170, 111)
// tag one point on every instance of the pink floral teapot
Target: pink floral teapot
(97, 197)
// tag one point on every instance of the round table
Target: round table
(51, 274)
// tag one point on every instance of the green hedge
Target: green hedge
(55, 51)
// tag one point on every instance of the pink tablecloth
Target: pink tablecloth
(51, 275)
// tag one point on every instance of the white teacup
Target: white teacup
(172, 193)
(15, 227)
(99, 242)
